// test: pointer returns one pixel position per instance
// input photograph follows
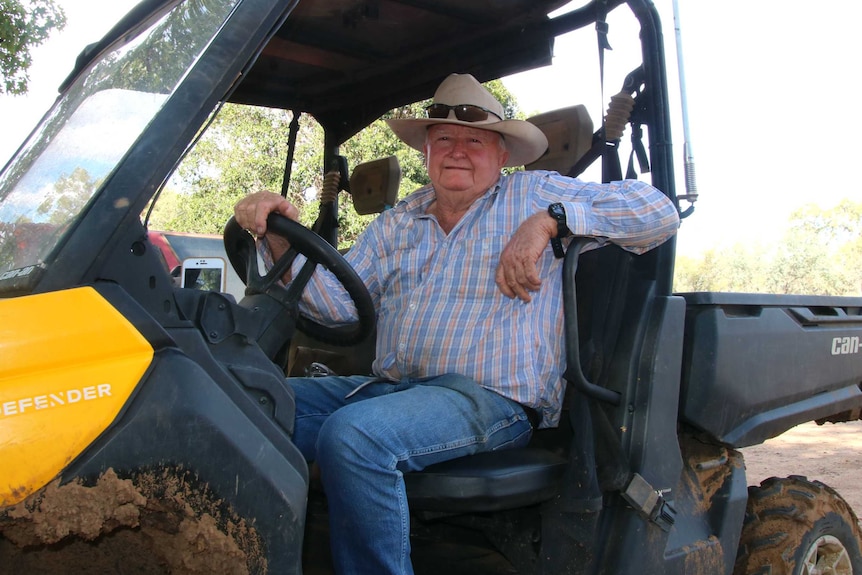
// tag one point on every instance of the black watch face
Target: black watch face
(558, 213)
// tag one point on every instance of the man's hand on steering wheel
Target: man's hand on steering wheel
(264, 214)
(251, 213)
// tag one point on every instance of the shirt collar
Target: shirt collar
(416, 204)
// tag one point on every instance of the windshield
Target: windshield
(60, 168)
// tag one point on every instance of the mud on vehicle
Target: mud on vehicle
(145, 426)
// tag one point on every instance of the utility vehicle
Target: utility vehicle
(145, 427)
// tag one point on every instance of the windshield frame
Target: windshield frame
(117, 204)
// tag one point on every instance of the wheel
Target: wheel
(241, 251)
(798, 527)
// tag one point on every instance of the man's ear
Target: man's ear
(504, 156)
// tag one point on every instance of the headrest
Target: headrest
(570, 136)
(374, 185)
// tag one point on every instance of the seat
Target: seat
(570, 136)
(490, 481)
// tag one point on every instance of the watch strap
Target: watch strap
(558, 212)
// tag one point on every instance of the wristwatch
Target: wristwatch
(558, 212)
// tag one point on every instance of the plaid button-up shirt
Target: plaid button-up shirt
(439, 309)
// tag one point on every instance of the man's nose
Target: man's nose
(459, 147)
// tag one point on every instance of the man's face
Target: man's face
(463, 160)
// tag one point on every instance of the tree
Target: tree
(801, 265)
(838, 224)
(820, 254)
(243, 151)
(732, 269)
(24, 24)
(166, 52)
(835, 234)
(32, 236)
(67, 199)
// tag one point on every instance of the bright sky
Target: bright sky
(772, 98)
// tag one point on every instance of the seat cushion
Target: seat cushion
(487, 481)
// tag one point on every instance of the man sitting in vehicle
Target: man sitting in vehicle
(467, 290)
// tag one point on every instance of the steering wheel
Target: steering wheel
(242, 253)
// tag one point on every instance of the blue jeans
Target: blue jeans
(364, 444)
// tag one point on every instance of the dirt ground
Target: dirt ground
(831, 453)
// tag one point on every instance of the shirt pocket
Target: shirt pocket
(472, 270)
(403, 267)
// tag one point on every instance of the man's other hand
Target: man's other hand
(517, 273)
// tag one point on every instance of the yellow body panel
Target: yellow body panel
(68, 363)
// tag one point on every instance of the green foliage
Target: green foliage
(70, 193)
(733, 269)
(838, 224)
(24, 24)
(244, 151)
(510, 104)
(31, 237)
(821, 254)
(155, 64)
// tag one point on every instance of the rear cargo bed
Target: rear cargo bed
(755, 365)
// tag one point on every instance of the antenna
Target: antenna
(690, 180)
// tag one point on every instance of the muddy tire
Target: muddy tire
(798, 527)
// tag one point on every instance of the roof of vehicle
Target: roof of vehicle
(346, 62)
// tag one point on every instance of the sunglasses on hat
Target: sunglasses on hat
(464, 112)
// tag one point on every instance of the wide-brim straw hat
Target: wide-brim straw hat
(524, 141)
